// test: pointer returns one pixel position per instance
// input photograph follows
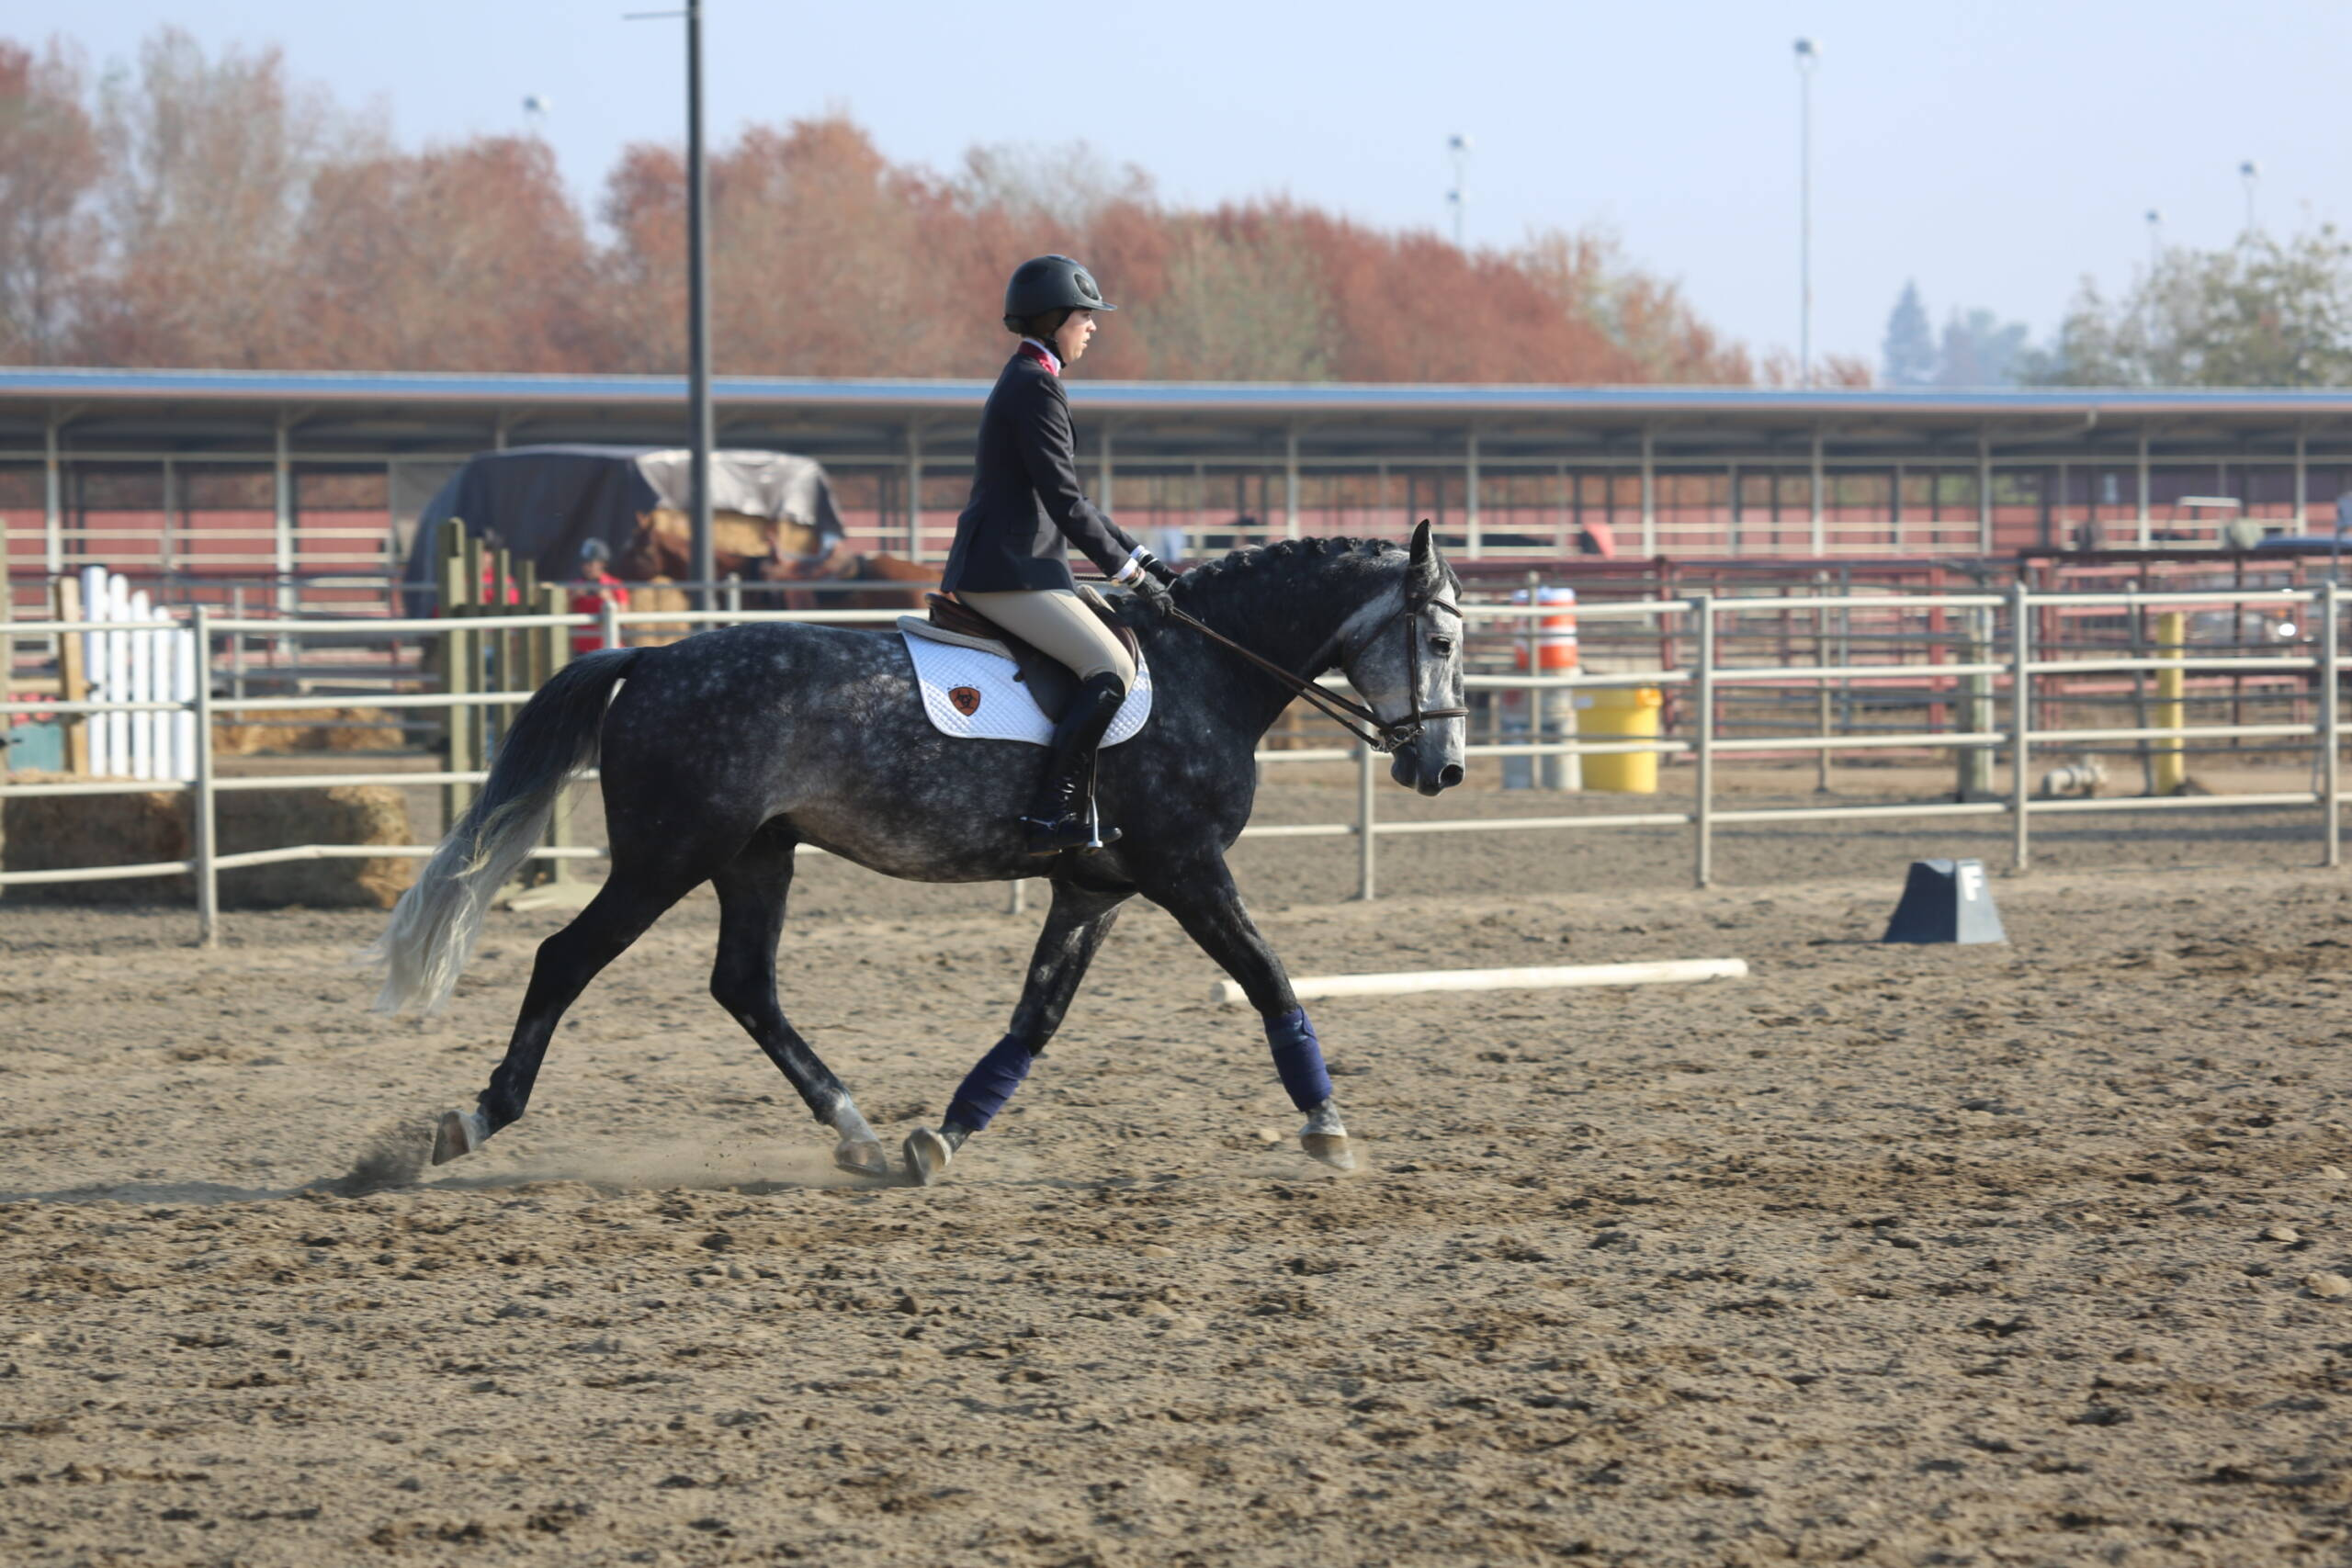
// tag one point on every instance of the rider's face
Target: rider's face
(1071, 337)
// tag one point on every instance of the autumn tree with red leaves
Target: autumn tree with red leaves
(50, 166)
(208, 167)
(207, 211)
(469, 257)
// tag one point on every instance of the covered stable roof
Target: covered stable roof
(328, 415)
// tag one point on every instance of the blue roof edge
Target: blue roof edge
(348, 386)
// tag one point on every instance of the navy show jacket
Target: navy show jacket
(1026, 508)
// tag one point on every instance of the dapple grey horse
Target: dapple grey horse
(721, 753)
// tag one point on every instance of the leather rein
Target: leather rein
(1356, 719)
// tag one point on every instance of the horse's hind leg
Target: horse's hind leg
(1080, 917)
(622, 910)
(751, 889)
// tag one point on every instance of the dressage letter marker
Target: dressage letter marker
(1659, 972)
(1946, 900)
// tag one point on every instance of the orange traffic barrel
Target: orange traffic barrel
(1555, 634)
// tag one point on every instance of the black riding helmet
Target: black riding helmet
(1043, 284)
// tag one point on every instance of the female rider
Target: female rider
(1010, 558)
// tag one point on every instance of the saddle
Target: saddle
(1047, 681)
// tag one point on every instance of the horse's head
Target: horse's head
(1403, 651)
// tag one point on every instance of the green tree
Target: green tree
(2266, 313)
(1910, 347)
(1981, 350)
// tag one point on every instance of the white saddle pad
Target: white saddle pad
(973, 696)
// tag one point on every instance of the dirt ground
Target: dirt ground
(1890, 1256)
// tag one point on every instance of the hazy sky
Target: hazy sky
(1997, 152)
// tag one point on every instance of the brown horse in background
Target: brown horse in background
(769, 549)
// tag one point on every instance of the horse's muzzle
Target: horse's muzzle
(1426, 771)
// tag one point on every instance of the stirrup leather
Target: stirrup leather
(1063, 815)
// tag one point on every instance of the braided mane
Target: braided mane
(1239, 564)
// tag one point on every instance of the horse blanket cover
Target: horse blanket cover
(972, 696)
(546, 502)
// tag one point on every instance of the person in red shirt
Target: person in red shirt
(600, 588)
(491, 542)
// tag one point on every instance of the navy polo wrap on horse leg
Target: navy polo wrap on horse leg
(1298, 1058)
(989, 1084)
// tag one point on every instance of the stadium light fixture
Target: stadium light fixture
(1457, 147)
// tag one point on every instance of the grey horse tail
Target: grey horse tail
(433, 927)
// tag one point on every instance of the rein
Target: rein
(1355, 717)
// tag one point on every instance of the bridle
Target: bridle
(1359, 720)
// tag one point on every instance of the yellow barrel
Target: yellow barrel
(1619, 713)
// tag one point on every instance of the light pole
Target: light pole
(700, 421)
(535, 112)
(698, 314)
(1458, 149)
(1807, 58)
(2251, 173)
(2155, 239)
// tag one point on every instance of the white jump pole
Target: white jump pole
(1656, 973)
(163, 656)
(117, 677)
(141, 687)
(95, 648)
(188, 669)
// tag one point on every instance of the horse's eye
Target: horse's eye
(1441, 644)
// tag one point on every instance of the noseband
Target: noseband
(1359, 720)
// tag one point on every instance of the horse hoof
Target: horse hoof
(458, 1133)
(928, 1154)
(863, 1157)
(1332, 1148)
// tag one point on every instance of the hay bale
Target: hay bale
(346, 814)
(659, 594)
(310, 729)
(54, 832)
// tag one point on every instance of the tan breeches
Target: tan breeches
(1060, 625)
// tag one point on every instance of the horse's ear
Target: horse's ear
(1422, 571)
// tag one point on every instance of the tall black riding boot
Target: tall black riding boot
(1061, 816)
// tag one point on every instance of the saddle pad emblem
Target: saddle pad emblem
(973, 696)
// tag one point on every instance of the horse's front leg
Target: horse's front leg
(1080, 917)
(1206, 903)
(752, 890)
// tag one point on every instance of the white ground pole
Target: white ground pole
(1656, 972)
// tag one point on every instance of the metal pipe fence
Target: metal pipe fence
(2010, 670)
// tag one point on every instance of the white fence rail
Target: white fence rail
(1980, 688)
